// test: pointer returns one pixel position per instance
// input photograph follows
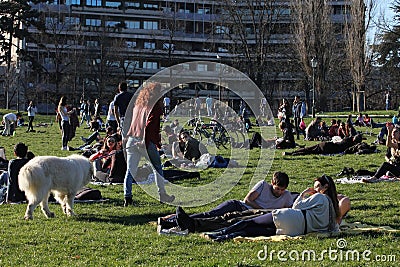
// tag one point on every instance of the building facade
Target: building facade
(91, 45)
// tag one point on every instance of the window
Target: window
(132, 4)
(221, 29)
(111, 23)
(133, 83)
(168, 46)
(149, 45)
(132, 24)
(93, 2)
(131, 64)
(203, 10)
(150, 25)
(72, 20)
(201, 67)
(92, 43)
(150, 6)
(113, 4)
(113, 64)
(93, 22)
(150, 65)
(73, 2)
(131, 44)
(47, 60)
(71, 42)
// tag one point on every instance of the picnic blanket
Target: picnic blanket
(359, 179)
(346, 228)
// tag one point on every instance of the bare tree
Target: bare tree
(315, 37)
(357, 52)
(247, 29)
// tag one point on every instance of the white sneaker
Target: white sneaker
(64, 148)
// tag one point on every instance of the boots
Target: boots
(184, 221)
(128, 201)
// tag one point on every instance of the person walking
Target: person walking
(167, 106)
(209, 104)
(144, 138)
(111, 121)
(298, 114)
(31, 115)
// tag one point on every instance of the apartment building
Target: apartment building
(90, 45)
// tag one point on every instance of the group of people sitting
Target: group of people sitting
(268, 209)
(319, 130)
(106, 154)
(9, 178)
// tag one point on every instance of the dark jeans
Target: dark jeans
(387, 167)
(297, 121)
(221, 209)
(30, 123)
(250, 228)
(65, 132)
(228, 219)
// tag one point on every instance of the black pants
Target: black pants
(387, 167)
(297, 126)
(250, 228)
(30, 123)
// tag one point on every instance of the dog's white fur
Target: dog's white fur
(61, 176)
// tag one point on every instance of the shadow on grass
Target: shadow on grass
(131, 220)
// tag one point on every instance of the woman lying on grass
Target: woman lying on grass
(315, 210)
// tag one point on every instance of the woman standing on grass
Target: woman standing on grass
(31, 115)
(144, 138)
(65, 126)
(315, 210)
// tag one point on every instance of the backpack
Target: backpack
(88, 194)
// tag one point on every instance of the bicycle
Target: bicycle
(214, 132)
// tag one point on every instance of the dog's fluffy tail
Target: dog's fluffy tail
(25, 178)
(28, 183)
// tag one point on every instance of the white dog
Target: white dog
(61, 176)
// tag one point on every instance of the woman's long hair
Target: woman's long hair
(148, 94)
(330, 192)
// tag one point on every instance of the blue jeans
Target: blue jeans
(134, 154)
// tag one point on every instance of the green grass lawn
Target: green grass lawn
(107, 234)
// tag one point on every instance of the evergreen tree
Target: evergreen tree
(15, 17)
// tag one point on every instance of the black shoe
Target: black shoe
(184, 221)
(128, 201)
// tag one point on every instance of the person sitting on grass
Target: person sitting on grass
(109, 163)
(262, 196)
(287, 141)
(188, 147)
(392, 165)
(327, 147)
(315, 210)
(14, 194)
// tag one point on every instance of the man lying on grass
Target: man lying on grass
(263, 196)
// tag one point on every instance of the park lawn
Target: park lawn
(107, 234)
